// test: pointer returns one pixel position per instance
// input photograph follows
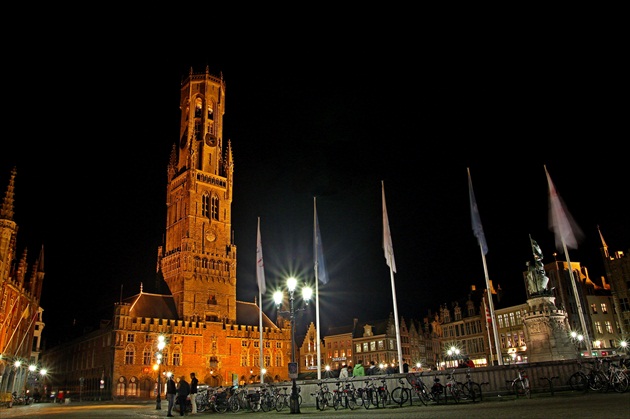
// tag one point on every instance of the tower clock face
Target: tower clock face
(211, 236)
(211, 140)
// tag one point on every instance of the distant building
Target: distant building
(617, 267)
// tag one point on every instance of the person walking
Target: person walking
(358, 370)
(183, 390)
(171, 393)
(193, 392)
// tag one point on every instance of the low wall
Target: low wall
(496, 377)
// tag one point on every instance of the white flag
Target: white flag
(387, 236)
(566, 230)
(260, 266)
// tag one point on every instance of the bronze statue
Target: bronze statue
(537, 278)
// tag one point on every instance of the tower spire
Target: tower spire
(6, 212)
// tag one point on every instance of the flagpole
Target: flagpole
(26, 332)
(497, 344)
(260, 274)
(578, 304)
(483, 247)
(389, 257)
(16, 326)
(316, 246)
(487, 313)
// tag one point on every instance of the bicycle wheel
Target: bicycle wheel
(597, 381)
(454, 392)
(221, 406)
(280, 403)
(264, 403)
(366, 396)
(352, 402)
(383, 397)
(234, 404)
(620, 382)
(438, 395)
(578, 381)
(399, 396)
(254, 405)
(422, 392)
(521, 388)
(336, 401)
(472, 391)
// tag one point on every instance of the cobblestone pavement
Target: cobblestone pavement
(561, 405)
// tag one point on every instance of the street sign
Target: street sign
(293, 370)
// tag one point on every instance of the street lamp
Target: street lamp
(16, 366)
(160, 346)
(278, 296)
(453, 352)
(43, 372)
(577, 340)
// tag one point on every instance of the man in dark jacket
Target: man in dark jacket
(193, 392)
(183, 390)
(372, 370)
(171, 393)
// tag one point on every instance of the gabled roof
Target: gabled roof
(158, 306)
(379, 327)
(248, 314)
(155, 306)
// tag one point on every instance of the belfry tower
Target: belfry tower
(198, 259)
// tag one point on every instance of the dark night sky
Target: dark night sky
(91, 141)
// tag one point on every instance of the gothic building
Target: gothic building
(206, 328)
(20, 314)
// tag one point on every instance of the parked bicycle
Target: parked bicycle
(586, 378)
(238, 399)
(218, 400)
(402, 393)
(323, 396)
(253, 400)
(267, 398)
(452, 388)
(369, 393)
(470, 389)
(617, 379)
(519, 385)
(344, 396)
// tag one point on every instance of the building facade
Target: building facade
(206, 329)
(21, 323)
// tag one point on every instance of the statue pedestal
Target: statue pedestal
(547, 331)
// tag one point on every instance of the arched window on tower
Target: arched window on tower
(198, 107)
(205, 205)
(215, 208)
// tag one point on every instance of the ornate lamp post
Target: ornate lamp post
(278, 296)
(160, 346)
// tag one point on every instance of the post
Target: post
(295, 401)
(160, 346)
(158, 400)
(307, 293)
